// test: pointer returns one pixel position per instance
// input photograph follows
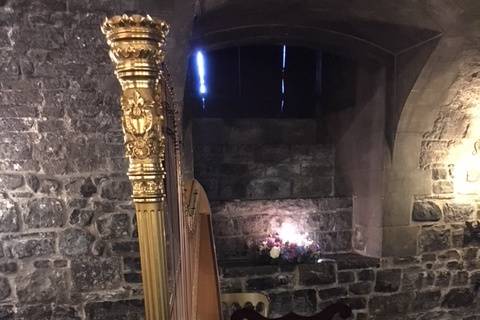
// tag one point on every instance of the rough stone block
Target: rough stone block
(228, 248)
(429, 257)
(41, 286)
(356, 303)
(60, 263)
(7, 312)
(33, 248)
(475, 278)
(390, 305)
(87, 188)
(34, 312)
(305, 301)
(81, 217)
(16, 125)
(331, 204)
(417, 278)
(434, 239)
(460, 278)
(10, 181)
(45, 213)
(332, 293)
(313, 187)
(439, 173)
(361, 316)
(426, 211)
(113, 310)
(273, 154)
(317, 170)
(388, 280)
(235, 188)
(33, 182)
(230, 286)
(50, 186)
(281, 303)
(8, 216)
(5, 289)
(366, 275)
(229, 226)
(8, 267)
(347, 261)
(455, 212)
(42, 264)
(471, 234)
(261, 284)
(90, 274)
(360, 288)
(317, 274)
(443, 187)
(132, 264)
(75, 242)
(268, 188)
(458, 297)
(133, 277)
(116, 226)
(449, 255)
(125, 247)
(116, 190)
(443, 279)
(346, 277)
(281, 170)
(65, 313)
(426, 300)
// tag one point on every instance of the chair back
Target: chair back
(329, 313)
(232, 302)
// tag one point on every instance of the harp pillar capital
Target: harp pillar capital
(137, 51)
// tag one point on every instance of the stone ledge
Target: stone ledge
(342, 261)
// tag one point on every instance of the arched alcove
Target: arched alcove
(389, 57)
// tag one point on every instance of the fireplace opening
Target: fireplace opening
(267, 123)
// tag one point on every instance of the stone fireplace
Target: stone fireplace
(260, 173)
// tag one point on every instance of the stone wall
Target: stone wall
(239, 225)
(276, 171)
(263, 158)
(449, 213)
(435, 285)
(68, 244)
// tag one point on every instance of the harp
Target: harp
(173, 215)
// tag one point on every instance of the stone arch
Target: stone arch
(436, 131)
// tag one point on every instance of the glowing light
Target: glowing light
(284, 65)
(466, 175)
(289, 233)
(201, 72)
(465, 158)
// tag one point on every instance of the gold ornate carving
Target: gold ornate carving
(142, 123)
(138, 117)
(136, 48)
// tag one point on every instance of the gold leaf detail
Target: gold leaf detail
(138, 117)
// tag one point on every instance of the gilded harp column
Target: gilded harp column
(137, 50)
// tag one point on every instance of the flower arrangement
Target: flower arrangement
(278, 249)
